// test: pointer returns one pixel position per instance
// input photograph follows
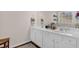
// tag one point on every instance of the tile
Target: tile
(30, 45)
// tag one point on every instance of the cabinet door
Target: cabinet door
(33, 35)
(65, 42)
(36, 37)
(39, 37)
(48, 40)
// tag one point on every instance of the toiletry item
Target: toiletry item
(53, 26)
(55, 17)
(32, 21)
(47, 26)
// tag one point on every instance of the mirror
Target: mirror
(65, 18)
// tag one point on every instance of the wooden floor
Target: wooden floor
(29, 45)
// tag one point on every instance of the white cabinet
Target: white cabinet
(36, 36)
(48, 40)
(53, 40)
(65, 42)
(33, 35)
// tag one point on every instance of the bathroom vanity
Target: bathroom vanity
(47, 38)
(57, 36)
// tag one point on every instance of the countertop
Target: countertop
(71, 32)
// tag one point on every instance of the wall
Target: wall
(16, 25)
(0, 24)
(47, 16)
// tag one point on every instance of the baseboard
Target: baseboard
(22, 44)
(13, 46)
(35, 44)
(27, 43)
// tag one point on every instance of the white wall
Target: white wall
(16, 25)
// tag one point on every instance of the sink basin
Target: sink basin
(65, 31)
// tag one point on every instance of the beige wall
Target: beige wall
(16, 25)
(46, 15)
